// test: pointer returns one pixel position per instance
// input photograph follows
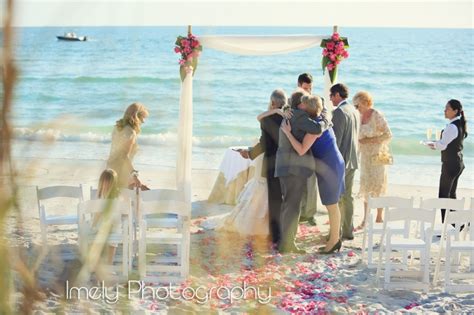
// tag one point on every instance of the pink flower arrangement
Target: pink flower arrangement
(189, 47)
(334, 51)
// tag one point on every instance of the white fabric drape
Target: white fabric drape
(326, 92)
(260, 45)
(185, 137)
(243, 45)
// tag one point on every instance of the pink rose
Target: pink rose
(325, 52)
(332, 57)
(314, 276)
(337, 61)
(195, 44)
(330, 66)
(177, 50)
(411, 305)
(341, 299)
(345, 54)
(330, 45)
(187, 50)
(182, 62)
(335, 36)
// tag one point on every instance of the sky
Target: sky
(350, 13)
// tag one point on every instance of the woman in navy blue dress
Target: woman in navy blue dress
(329, 167)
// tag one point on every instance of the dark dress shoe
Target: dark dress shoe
(336, 247)
(311, 221)
(303, 220)
(308, 220)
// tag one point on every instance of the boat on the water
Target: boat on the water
(70, 36)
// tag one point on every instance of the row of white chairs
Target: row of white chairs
(141, 213)
(147, 220)
(406, 230)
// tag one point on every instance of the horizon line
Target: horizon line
(258, 26)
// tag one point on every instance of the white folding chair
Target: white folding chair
(372, 228)
(129, 196)
(113, 212)
(455, 246)
(409, 241)
(472, 227)
(132, 196)
(438, 204)
(67, 216)
(94, 194)
(164, 222)
(161, 194)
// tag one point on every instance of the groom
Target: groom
(268, 144)
(293, 171)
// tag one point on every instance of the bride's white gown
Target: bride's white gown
(250, 214)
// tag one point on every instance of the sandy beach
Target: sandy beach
(308, 283)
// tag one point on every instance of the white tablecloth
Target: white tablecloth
(233, 164)
(234, 172)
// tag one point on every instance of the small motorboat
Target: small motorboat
(70, 36)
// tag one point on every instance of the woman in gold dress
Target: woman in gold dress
(374, 138)
(124, 144)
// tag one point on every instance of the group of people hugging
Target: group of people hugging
(300, 138)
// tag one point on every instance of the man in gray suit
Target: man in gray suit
(346, 123)
(309, 199)
(293, 171)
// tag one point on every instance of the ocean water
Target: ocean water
(73, 92)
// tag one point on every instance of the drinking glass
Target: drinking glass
(429, 132)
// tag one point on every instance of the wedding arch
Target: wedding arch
(255, 45)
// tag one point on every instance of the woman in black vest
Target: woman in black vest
(451, 145)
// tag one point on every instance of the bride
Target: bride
(250, 215)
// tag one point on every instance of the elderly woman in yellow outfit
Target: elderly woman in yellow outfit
(374, 138)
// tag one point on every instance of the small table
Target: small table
(234, 173)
